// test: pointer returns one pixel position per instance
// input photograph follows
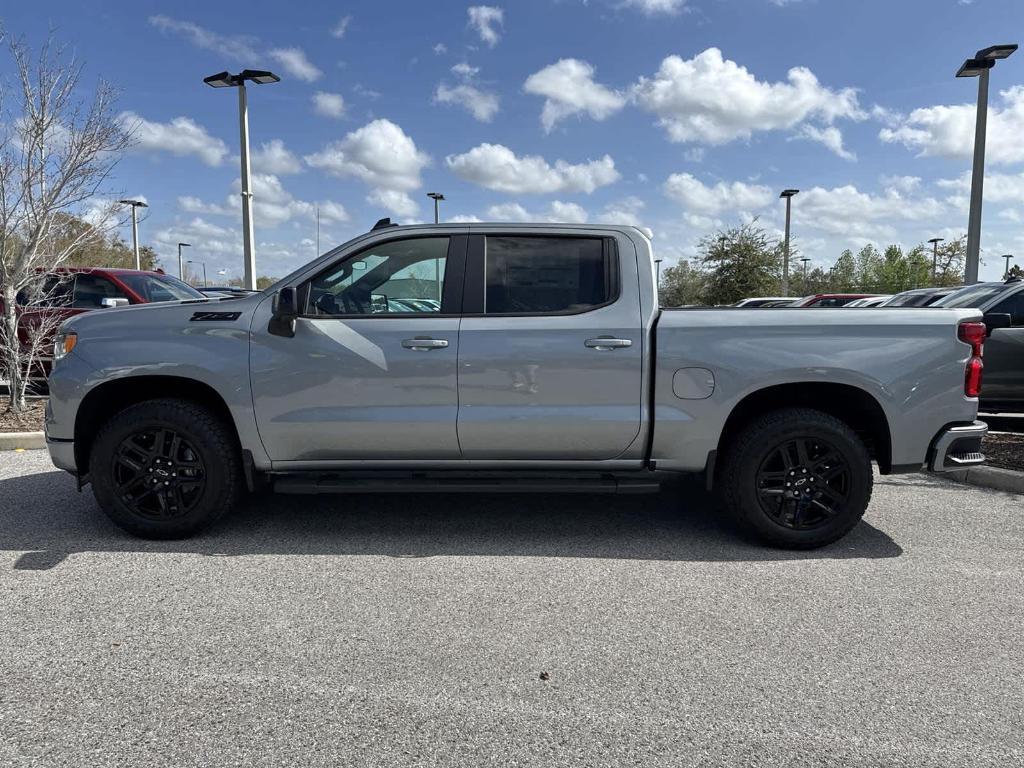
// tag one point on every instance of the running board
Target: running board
(303, 484)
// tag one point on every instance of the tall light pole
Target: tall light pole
(935, 255)
(181, 267)
(978, 67)
(805, 260)
(1009, 258)
(437, 197)
(657, 270)
(227, 80)
(788, 195)
(203, 265)
(135, 204)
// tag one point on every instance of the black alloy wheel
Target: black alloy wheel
(158, 474)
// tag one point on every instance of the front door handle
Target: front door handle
(422, 344)
(604, 343)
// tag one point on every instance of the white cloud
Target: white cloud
(379, 153)
(948, 131)
(328, 104)
(698, 197)
(497, 167)
(273, 205)
(191, 204)
(440, 48)
(232, 46)
(557, 213)
(569, 88)
(905, 184)
(830, 136)
(465, 71)
(296, 63)
(398, 203)
(181, 136)
(341, 27)
(483, 105)
(275, 157)
(653, 7)
(485, 19)
(714, 100)
(851, 213)
(999, 187)
(624, 211)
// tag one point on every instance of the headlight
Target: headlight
(63, 344)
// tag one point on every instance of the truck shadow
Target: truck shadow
(42, 516)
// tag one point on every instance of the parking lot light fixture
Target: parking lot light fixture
(181, 268)
(787, 194)
(227, 80)
(805, 260)
(935, 254)
(979, 67)
(437, 197)
(135, 204)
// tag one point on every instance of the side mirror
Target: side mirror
(996, 320)
(282, 322)
(109, 303)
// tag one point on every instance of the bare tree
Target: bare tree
(57, 149)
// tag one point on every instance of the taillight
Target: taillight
(973, 334)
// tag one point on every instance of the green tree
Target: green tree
(90, 247)
(681, 285)
(740, 262)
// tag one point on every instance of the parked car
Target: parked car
(72, 291)
(919, 297)
(547, 366)
(763, 301)
(871, 301)
(1004, 350)
(824, 300)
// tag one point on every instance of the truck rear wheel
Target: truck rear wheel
(165, 469)
(796, 478)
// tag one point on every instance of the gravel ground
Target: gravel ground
(399, 630)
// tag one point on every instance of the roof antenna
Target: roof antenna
(383, 224)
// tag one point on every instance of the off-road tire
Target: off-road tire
(738, 480)
(206, 434)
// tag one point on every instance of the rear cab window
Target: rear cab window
(548, 275)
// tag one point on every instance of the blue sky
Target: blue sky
(680, 115)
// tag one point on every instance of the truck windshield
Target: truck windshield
(154, 288)
(971, 296)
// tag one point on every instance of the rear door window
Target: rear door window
(547, 275)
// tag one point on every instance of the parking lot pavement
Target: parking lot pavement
(414, 630)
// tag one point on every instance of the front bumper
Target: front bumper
(62, 454)
(957, 447)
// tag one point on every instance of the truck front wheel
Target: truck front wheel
(165, 469)
(796, 478)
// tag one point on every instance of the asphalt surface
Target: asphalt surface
(400, 630)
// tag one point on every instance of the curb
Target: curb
(996, 478)
(13, 441)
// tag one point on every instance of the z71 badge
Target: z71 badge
(214, 316)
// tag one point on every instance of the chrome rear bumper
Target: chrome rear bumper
(957, 447)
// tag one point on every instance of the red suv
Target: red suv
(76, 290)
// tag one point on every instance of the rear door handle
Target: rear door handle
(424, 344)
(604, 343)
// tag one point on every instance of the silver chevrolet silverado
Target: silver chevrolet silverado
(505, 357)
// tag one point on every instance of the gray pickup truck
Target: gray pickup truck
(503, 357)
